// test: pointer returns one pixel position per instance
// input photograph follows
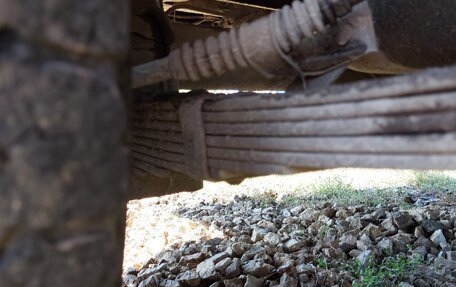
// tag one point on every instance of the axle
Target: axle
(264, 45)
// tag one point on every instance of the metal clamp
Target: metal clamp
(191, 120)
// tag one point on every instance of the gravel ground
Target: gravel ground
(273, 231)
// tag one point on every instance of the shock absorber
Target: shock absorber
(263, 44)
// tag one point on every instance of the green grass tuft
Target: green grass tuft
(432, 181)
(264, 199)
(335, 190)
(292, 200)
(321, 262)
(332, 188)
(389, 272)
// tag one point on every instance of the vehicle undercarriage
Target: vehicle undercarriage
(91, 113)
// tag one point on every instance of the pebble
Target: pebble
(292, 245)
(278, 247)
(403, 221)
(254, 282)
(439, 239)
(257, 268)
(272, 238)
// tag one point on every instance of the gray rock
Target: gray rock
(267, 225)
(254, 281)
(355, 222)
(364, 243)
(208, 249)
(249, 254)
(234, 269)
(431, 214)
(448, 224)
(192, 260)
(434, 251)
(287, 267)
(430, 258)
(244, 238)
(451, 255)
(272, 238)
(439, 239)
(401, 241)
(288, 281)
(151, 281)
(145, 273)
(331, 253)
(258, 234)
(175, 269)
(441, 254)
(403, 221)
(385, 246)
(239, 248)
(257, 268)
(303, 278)
(365, 257)
(265, 257)
(219, 257)
(328, 278)
(236, 282)
(342, 214)
(366, 219)
(214, 241)
(281, 258)
(347, 242)
(285, 213)
(297, 210)
(373, 231)
(423, 241)
(430, 226)
(169, 283)
(190, 278)
(290, 220)
(421, 251)
(388, 225)
(292, 245)
(416, 214)
(419, 231)
(206, 270)
(442, 262)
(354, 253)
(309, 215)
(131, 271)
(169, 256)
(223, 264)
(405, 284)
(130, 279)
(230, 252)
(421, 283)
(329, 212)
(378, 214)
